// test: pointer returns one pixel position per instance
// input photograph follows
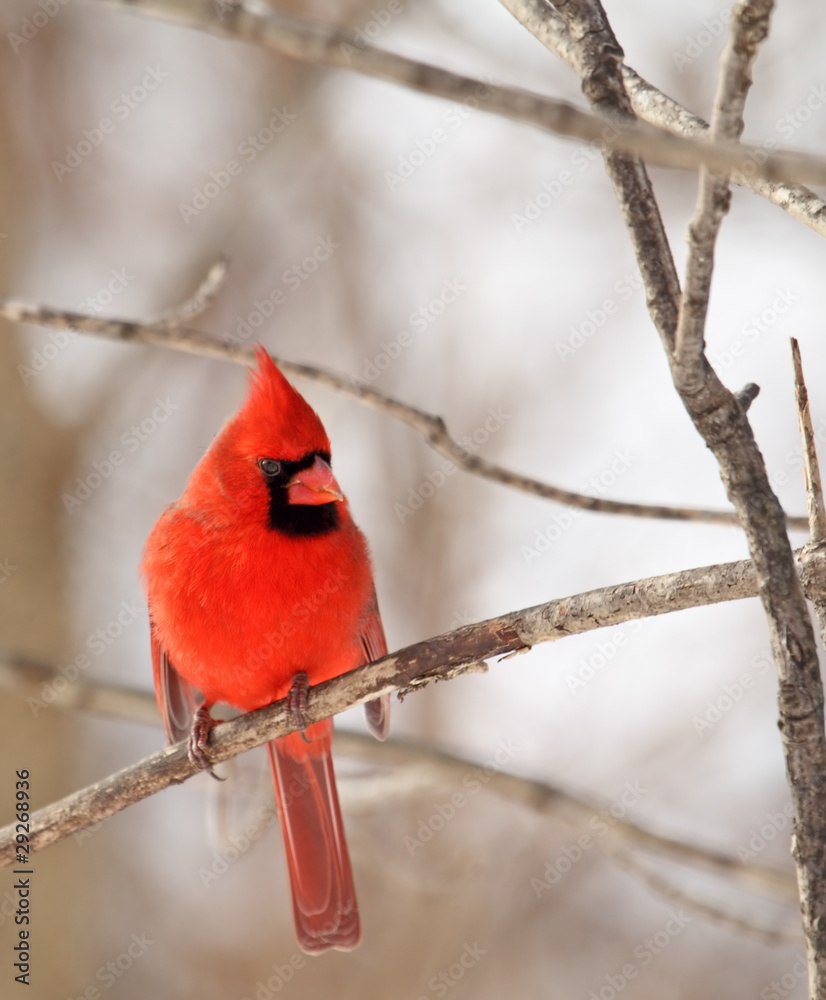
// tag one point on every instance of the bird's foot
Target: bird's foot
(297, 703)
(202, 725)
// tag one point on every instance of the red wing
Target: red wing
(374, 645)
(177, 698)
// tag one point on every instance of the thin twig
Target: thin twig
(750, 27)
(710, 911)
(201, 299)
(653, 106)
(429, 425)
(441, 658)
(814, 484)
(316, 43)
(813, 556)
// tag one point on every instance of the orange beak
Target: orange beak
(315, 485)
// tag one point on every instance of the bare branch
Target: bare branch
(724, 426)
(201, 299)
(814, 484)
(813, 555)
(577, 810)
(313, 42)
(42, 685)
(430, 426)
(750, 27)
(656, 108)
(433, 768)
(710, 911)
(598, 60)
(441, 658)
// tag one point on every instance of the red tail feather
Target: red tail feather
(324, 898)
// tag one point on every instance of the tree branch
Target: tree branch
(814, 484)
(441, 658)
(167, 332)
(712, 912)
(723, 424)
(44, 687)
(436, 769)
(750, 27)
(316, 43)
(656, 108)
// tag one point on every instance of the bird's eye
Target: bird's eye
(269, 467)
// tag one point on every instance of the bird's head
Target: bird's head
(274, 456)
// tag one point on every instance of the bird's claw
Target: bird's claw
(297, 703)
(202, 725)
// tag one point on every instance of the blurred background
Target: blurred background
(513, 302)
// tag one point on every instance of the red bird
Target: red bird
(259, 584)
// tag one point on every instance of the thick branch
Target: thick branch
(165, 333)
(723, 424)
(441, 658)
(316, 43)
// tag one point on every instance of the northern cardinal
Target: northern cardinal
(259, 583)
